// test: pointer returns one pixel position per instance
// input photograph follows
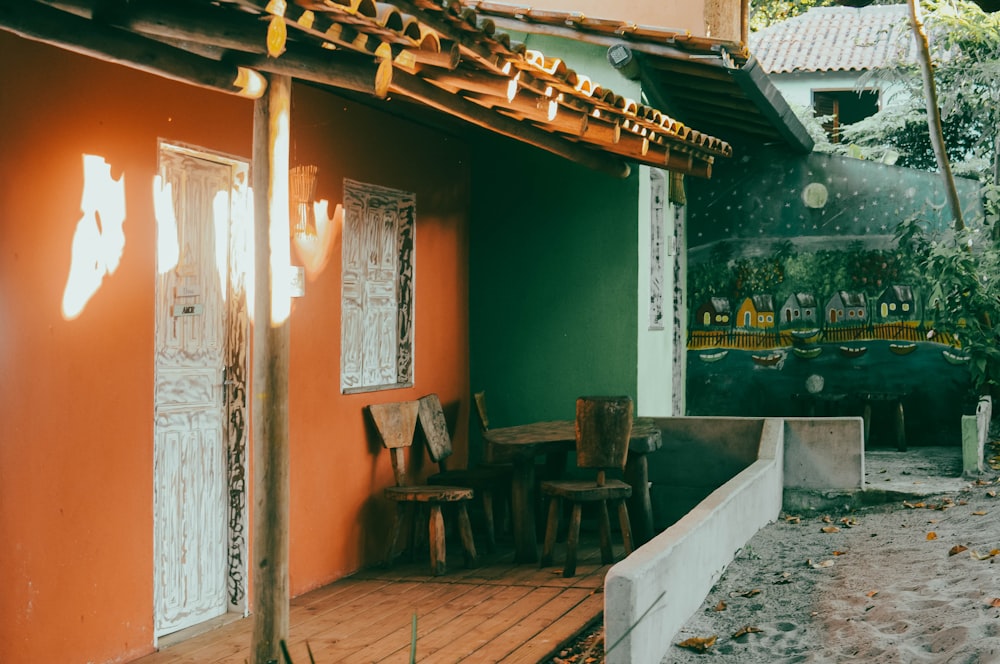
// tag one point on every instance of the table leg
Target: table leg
(640, 506)
(899, 424)
(523, 512)
(866, 418)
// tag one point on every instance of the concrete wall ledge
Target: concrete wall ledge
(652, 593)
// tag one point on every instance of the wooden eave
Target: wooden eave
(440, 54)
(712, 82)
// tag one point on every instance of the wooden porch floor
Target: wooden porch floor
(496, 612)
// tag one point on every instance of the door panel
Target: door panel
(191, 505)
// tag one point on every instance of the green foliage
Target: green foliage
(767, 12)
(965, 49)
(961, 274)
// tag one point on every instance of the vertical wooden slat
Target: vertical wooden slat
(270, 379)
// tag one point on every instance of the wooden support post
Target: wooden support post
(270, 374)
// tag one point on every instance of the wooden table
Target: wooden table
(523, 444)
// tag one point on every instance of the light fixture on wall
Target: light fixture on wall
(313, 230)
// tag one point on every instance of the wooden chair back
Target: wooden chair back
(603, 428)
(484, 417)
(435, 428)
(396, 423)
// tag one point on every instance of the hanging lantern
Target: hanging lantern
(302, 186)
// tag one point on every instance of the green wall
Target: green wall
(553, 282)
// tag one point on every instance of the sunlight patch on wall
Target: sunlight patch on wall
(167, 245)
(314, 246)
(99, 240)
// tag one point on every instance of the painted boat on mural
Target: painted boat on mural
(804, 334)
(713, 357)
(769, 360)
(902, 349)
(808, 353)
(853, 351)
(954, 358)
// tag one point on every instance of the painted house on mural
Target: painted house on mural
(130, 186)
(824, 58)
(799, 309)
(756, 312)
(716, 312)
(846, 308)
(896, 303)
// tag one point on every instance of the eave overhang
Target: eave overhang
(443, 55)
(715, 83)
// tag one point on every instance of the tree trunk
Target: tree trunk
(934, 112)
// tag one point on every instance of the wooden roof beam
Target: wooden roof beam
(41, 23)
(441, 100)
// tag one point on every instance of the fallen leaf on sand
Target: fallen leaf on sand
(871, 593)
(830, 529)
(749, 629)
(991, 494)
(995, 603)
(975, 555)
(745, 593)
(698, 643)
(820, 565)
(793, 519)
(958, 548)
(913, 506)
(785, 577)
(721, 606)
(848, 521)
(932, 535)
(827, 519)
(840, 553)
(979, 513)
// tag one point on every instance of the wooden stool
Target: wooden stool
(603, 428)
(396, 423)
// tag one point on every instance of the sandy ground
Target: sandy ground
(914, 580)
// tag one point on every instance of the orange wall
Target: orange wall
(339, 519)
(76, 396)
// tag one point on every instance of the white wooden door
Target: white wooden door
(191, 505)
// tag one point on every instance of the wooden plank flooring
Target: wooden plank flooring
(496, 612)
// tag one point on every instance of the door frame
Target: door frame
(236, 383)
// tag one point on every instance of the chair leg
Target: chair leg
(551, 528)
(604, 529)
(626, 527)
(572, 540)
(397, 527)
(418, 530)
(491, 538)
(465, 530)
(436, 533)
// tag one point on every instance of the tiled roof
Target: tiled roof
(836, 39)
(441, 54)
(714, 84)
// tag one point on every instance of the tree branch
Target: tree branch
(934, 112)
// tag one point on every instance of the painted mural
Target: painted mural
(799, 301)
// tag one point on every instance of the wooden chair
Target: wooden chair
(396, 423)
(486, 481)
(603, 427)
